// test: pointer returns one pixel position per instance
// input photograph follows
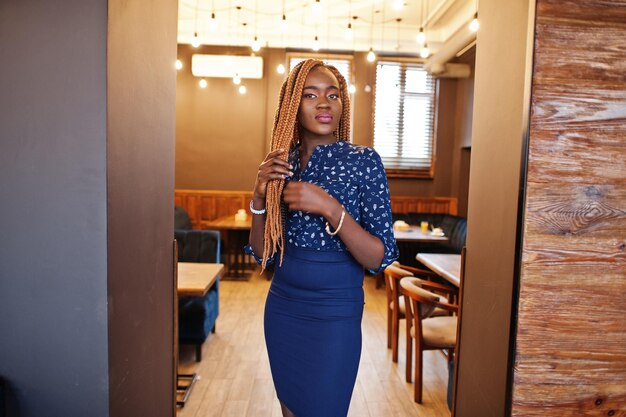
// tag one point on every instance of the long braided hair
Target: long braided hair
(286, 135)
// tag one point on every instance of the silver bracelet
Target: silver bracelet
(255, 211)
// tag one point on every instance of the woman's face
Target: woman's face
(320, 106)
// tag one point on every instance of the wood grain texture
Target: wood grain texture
(570, 358)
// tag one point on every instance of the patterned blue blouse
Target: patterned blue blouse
(355, 176)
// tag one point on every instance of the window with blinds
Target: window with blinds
(404, 109)
(343, 65)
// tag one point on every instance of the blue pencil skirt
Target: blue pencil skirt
(313, 330)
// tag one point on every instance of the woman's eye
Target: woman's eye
(333, 96)
(309, 95)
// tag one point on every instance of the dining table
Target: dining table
(415, 234)
(446, 265)
(236, 231)
(193, 279)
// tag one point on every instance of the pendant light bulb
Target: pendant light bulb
(425, 52)
(352, 89)
(213, 23)
(256, 45)
(236, 79)
(179, 64)
(195, 41)
(421, 37)
(242, 89)
(316, 44)
(349, 33)
(371, 56)
(398, 4)
(284, 25)
(474, 25)
(202, 83)
(316, 7)
(280, 69)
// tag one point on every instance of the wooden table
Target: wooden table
(194, 279)
(235, 237)
(445, 265)
(415, 234)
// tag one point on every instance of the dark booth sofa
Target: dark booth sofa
(196, 315)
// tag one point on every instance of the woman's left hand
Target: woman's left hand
(304, 196)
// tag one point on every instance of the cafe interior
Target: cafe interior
(130, 168)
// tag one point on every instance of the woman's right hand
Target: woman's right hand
(272, 168)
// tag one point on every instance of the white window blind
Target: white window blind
(342, 65)
(404, 116)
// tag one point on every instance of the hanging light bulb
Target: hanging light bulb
(202, 83)
(179, 64)
(256, 45)
(352, 89)
(283, 24)
(316, 44)
(425, 52)
(421, 37)
(371, 56)
(213, 23)
(280, 69)
(349, 32)
(398, 4)
(242, 89)
(316, 7)
(236, 79)
(474, 25)
(195, 41)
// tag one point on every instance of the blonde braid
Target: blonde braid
(286, 135)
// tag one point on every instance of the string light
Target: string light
(371, 56)
(280, 69)
(421, 37)
(316, 44)
(352, 89)
(236, 79)
(425, 52)
(348, 33)
(398, 4)
(179, 64)
(474, 25)
(202, 83)
(284, 25)
(316, 7)
(213, 23)
(195, 41)
(256, 45)
(242, 89)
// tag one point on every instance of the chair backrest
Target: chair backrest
(181, 219)
(198, 245)
(421, 300)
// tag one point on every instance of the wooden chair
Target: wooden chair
(395, 302)
(430, 333)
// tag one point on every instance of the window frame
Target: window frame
(411, 172)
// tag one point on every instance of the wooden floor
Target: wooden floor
(235, 378)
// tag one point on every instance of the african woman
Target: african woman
(322, 215)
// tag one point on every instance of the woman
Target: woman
(321, 212)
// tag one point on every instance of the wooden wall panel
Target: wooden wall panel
(206, 205)
(570, 356)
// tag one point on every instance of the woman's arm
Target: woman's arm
(366, 248)
(271, 168)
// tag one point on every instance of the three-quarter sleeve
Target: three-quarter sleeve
(248, 249)
(375, 206)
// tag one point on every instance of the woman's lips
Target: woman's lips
(324, 118)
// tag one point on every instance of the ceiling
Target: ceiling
(376, 24)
